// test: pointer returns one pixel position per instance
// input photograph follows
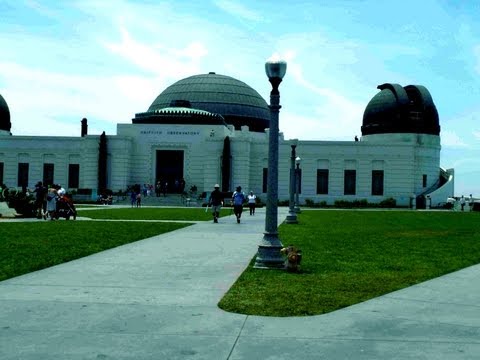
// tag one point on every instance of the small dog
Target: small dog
(294, 258)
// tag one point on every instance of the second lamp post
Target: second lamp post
(298, 179)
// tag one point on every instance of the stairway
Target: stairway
(169, 200)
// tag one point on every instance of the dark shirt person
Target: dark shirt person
(215, 201)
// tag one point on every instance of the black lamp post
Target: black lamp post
(268, 255)
(292, 215)
(298, 160)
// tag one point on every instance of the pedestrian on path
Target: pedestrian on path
(238, 198)
(40, 200)
(215, 202)
(251, 202)
(52, 195)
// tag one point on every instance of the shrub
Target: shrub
(309, 203)
(363, 203)
(84, 191)
(388, 203)
(22, 202)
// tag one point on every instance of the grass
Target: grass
(30, 246)
(353, 256)
(151, 213)
(348, 256)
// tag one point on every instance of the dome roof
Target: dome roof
(5, 123)
(235, 101)
(397, 109)
(179, 113)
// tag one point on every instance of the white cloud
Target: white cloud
(160, 61)
(451, 139)
(476, 134)
(238, 10)
(332, 113)
(40, 101)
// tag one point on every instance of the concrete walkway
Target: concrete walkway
(156, 299)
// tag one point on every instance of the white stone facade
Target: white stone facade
(410, 162)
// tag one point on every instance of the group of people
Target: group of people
(53, 202)
(237, 201)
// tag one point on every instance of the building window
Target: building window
(73, 176)
(377, 182)
(22, 178)
(424, 180)
(350, 182)
(322, 181)
(1, 173)
(265, 180)
(48, 170)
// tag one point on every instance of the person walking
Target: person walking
(40, 200)
(238, 198)
(133, 197)
(251, 202)
(52, 203)
(215, 202)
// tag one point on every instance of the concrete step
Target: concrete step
(169, 200)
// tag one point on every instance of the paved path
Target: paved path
(156, 299)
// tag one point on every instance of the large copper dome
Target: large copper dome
(397, 109)
(235, 101)
(5, 123)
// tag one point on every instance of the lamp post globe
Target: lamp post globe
(268, 255)
(298, 160)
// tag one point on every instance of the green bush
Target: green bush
(23, 203)
(388, 203)
(309, 203)
(344, 204)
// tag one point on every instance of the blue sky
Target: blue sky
(61, 61)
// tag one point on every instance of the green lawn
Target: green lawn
(151, 213)
(353, 256)
(348, 256)
(30, 246)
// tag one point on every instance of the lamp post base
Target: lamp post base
(297, 210)
(291, 218)
(268, 255)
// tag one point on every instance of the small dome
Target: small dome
(235, 101)
(397, 109)
(5, 123)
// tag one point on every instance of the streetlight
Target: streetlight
(292, 215)
(268, 255)
(297, 184)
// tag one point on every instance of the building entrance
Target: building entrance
(169, 170)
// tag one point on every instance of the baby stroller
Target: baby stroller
(65, 208)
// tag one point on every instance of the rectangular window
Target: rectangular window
(265, 180)
(350, 182)
(377, 182)
(322, 181)
(73, 176)
(48, 174)
(424, 180)
(22, 178)
(1, 173)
